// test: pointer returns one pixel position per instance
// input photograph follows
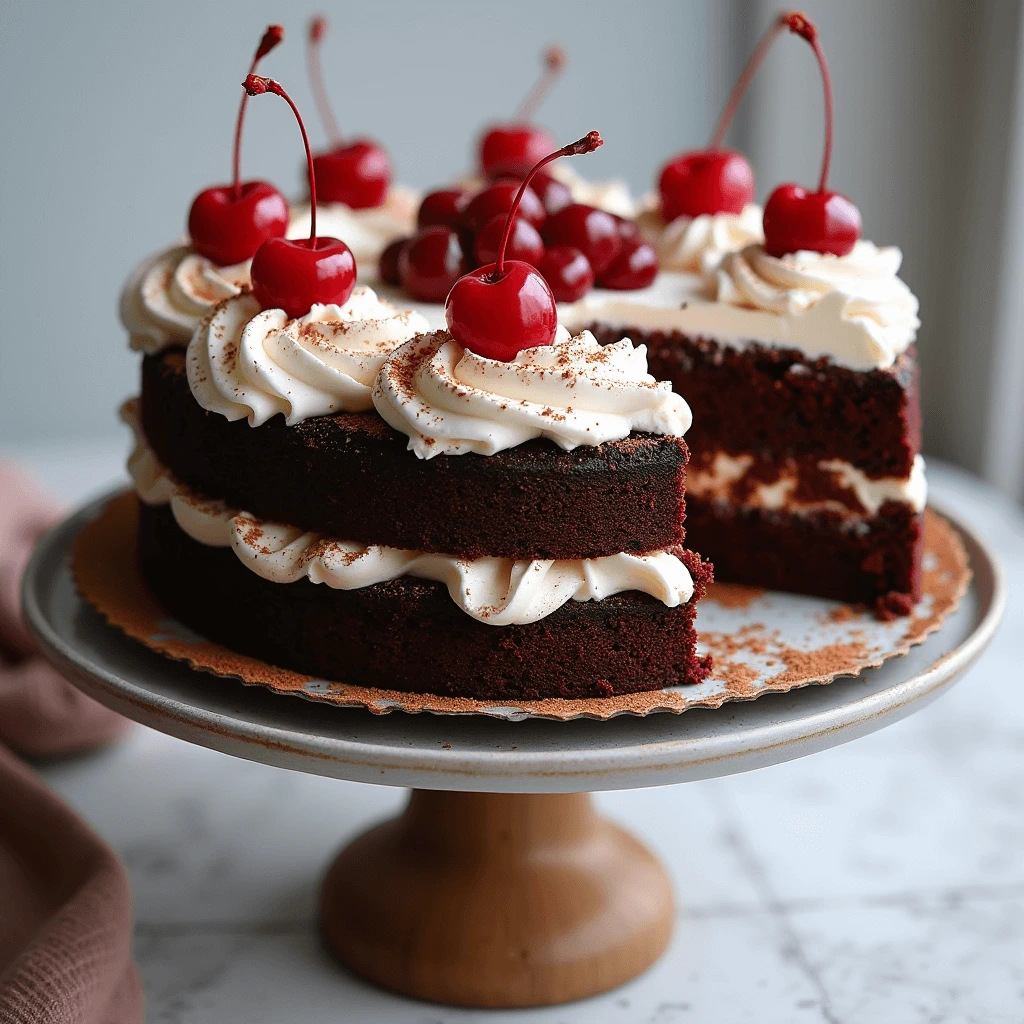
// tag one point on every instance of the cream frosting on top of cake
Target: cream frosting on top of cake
(366, 232)
(853, 309)
(244, 362)
(699, 244)
(167, 296)
(496, 591)
(450, 401)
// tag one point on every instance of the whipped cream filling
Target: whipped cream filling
(612, 194)
(852, 309)
(366, 232)
(242, 362)
(168, 295)
(698, 245)
(496, 591)
(716, 482)
(450, 401)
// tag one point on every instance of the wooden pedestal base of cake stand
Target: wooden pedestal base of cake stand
(499, 885)
(497, 900)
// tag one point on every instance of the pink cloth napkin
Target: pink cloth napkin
(65, 904)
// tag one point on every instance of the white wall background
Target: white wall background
(115, 114)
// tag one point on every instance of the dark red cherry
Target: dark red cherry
(497, 199)
(636, 266)
(705, 181)
(820, 221)
(510, 148)
(228, 223)
(594, 232)
(497, 317)
(567, 271)
(796, 219)
(516, 145)
(524, 242)
(627, 228)
(357, 174)
(387, 266)
(553, 193)
(430, 263)
(227, 228)
(506, 306)
(296, 275)
(444, 207)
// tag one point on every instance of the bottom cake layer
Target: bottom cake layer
(407, 634)
(874, 561)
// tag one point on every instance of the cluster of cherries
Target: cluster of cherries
(229, 223)
(718, 180)
(573, 245)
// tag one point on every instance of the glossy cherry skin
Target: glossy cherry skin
(524, 242)
(594, 232)
(551, 192)
(497, 199)
(444, 207)
(636, 266)
(357, 174)
(567, 271)
(796, 219)
(499, 317)
(227, 230)
(430, 263)
(513, 148)
(627, 228)
(705, 181)
(387, 265)
(294, 275)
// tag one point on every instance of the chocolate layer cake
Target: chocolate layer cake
(805, 471)
(548, 566)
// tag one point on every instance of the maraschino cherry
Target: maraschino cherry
(293, 275)
(227, 223)
(716, 180)
(356, 173)
(500, 309)
(513, 147)
(820, 221)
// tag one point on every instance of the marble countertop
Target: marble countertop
(880, 881)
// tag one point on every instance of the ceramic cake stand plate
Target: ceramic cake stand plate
(499, 886)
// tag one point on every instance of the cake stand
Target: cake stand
(499, 886)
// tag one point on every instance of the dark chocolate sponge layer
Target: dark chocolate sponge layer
(351, 476)
(409, 635)
(860, 560)
(761, 397)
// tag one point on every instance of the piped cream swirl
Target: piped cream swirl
(496, 591)
(873, 314)
(242, 362)
(698, 245)
(451, 401)
(168, 295)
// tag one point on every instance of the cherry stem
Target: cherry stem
(257, 85)
(587, 144)
(273, 35)
(317, 31)
(804, 27)
(554, 62)
(750, 69)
